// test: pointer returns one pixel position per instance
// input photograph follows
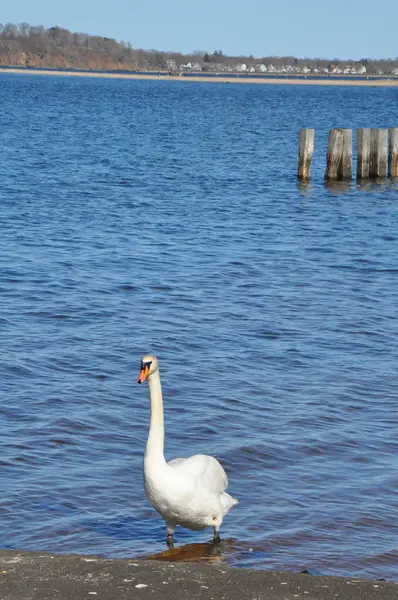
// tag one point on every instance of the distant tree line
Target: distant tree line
(35, 46)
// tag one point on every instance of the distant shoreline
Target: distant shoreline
(209, 79)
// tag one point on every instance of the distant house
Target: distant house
(261, 68)
(241, 68)
(271, 69)
(171, 65)
(362, 70)
(394, 71)
(306, 70)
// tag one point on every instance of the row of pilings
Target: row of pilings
(377, 154)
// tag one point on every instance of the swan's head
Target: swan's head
(149, 365)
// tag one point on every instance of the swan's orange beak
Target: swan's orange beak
(143, 374)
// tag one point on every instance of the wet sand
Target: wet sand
(214, 79)
(40, 576)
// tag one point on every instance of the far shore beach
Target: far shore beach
(209, 79)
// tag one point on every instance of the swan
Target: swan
(184, 491)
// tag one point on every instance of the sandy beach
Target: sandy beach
(211, 79)
(43, 576)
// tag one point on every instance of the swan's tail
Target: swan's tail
(227, 502)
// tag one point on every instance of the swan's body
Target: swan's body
(185, 491)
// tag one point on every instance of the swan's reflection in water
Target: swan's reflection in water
(198, 553)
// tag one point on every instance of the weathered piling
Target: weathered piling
(306, 150)
(374, 154)
(339, 155)
(378, 153)
(334, 153)
(393, 153)
(363, 154)
(345, 168)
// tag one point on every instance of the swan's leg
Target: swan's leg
(216, 538)
(170, 528)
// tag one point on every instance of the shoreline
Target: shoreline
(209, 79)
(45, 576)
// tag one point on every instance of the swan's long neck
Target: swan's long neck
(155, 444)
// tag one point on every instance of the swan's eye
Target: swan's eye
(146, 365)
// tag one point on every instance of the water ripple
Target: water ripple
(147, 216)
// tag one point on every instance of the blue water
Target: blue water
(151, 216)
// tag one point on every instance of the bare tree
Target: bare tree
(58, 47)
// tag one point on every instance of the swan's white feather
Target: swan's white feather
(205, 470)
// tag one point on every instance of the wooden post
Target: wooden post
(393, 153)
(339, 155)
(363, 153)
(334, 154)
(306, 150)
(345, 168)
(378, 153)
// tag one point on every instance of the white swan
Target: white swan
(185, 491)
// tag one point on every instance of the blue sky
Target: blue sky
(302, 28)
